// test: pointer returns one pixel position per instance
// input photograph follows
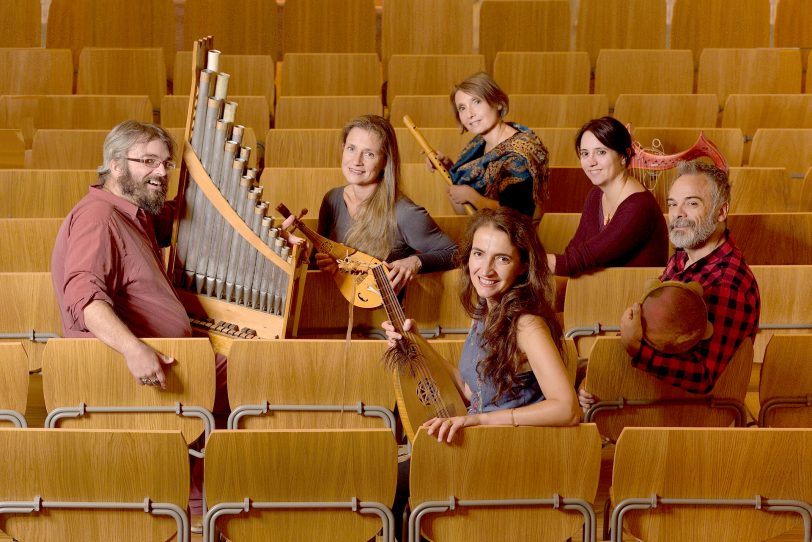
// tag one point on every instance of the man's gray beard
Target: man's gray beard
(700, 231)
(136, 190)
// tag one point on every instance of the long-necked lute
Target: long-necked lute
(433, 157)
(424, 387)
(354, 277)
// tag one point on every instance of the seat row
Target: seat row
(617, 71)
(256, 27)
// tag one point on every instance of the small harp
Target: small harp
(234, 273)
(433, 157)
(648, 166)
(354, 277)
(424, 388)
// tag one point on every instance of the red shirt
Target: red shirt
(107, 249)
(731, 294)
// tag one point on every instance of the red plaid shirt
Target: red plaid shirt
(732, 297)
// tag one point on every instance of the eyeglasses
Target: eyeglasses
(153, 163)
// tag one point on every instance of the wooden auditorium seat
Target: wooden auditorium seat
(36, 71)
(350, 27)
(556, 230)
(702, 24)
(31, 317)
(448, 141)
(23, 23)
(250, 75)
(729, 140)
(300, 485)
(643, 71)
(100, 72)
(94, 485)
(429, 73)
(66, 149)
(76, 24)
(427, 111)
(44, 193)
(432, 301)
(749, 112)
(299, 188)
(762, 190)
(679, 484)
(464, 491)
(303, 147)
(782, 147)
(426, 188)
(630, 397)
(785, 384)
(30, 113)
(619, 24)
(748, 71)
(12, 148)
(323, 111)
(793, 24)
(13, 385)
(309, 384)
(330, 74)
(87, 385)
(543, 73)
(560, 143)
(26, 243)
(557, 110)
(668, 110)
(421, 27)
(806, 192)
(534, 26)
(773, 238)
(252, 112)
(239, 27)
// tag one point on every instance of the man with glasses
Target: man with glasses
(106, 266)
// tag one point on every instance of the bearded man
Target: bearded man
(698, 204)
(106, 267)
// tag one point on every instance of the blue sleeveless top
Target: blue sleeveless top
(484, 392)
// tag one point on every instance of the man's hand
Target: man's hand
(146, 365)
(631, 330)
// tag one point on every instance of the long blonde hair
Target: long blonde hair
(375, 224)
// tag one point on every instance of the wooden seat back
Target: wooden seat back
(782, 147)
(426, 188)
(806, 192)
(429, 73)
(543, 461)
(669, 110)
(299, 467)
(331, 74)
(749, 112)
(785, 374)
(722, 24)
(323, 111)
(23, 23)
(643, 71)
(12, 149)
(240, 27)
(560, 143)
(543, 73)
(619, 24)
(793, 24)
(26, 244)
(36, 70)
(87, 371)
(100, 73)
(309, 372)
(610, 377)
(30, 305)
(66, 149)
(773, 238)
(350, 28)
(299, 188)
(448, 141)
(762, 190)
(303, 147)
(406, 30)
(92, 466)
(30, 113)
(556, 230)
(427, 111)
(748, 71)
(557, 110)
(535, 26)
(13, 381)
(711, 464)
(250, 75)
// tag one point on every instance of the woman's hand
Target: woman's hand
(462, 193)
(446, 428)
(442, 158)
(392, 336)
(586, 399)
(326, 263)
(403, 271)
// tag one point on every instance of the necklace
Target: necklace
(607, 216)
